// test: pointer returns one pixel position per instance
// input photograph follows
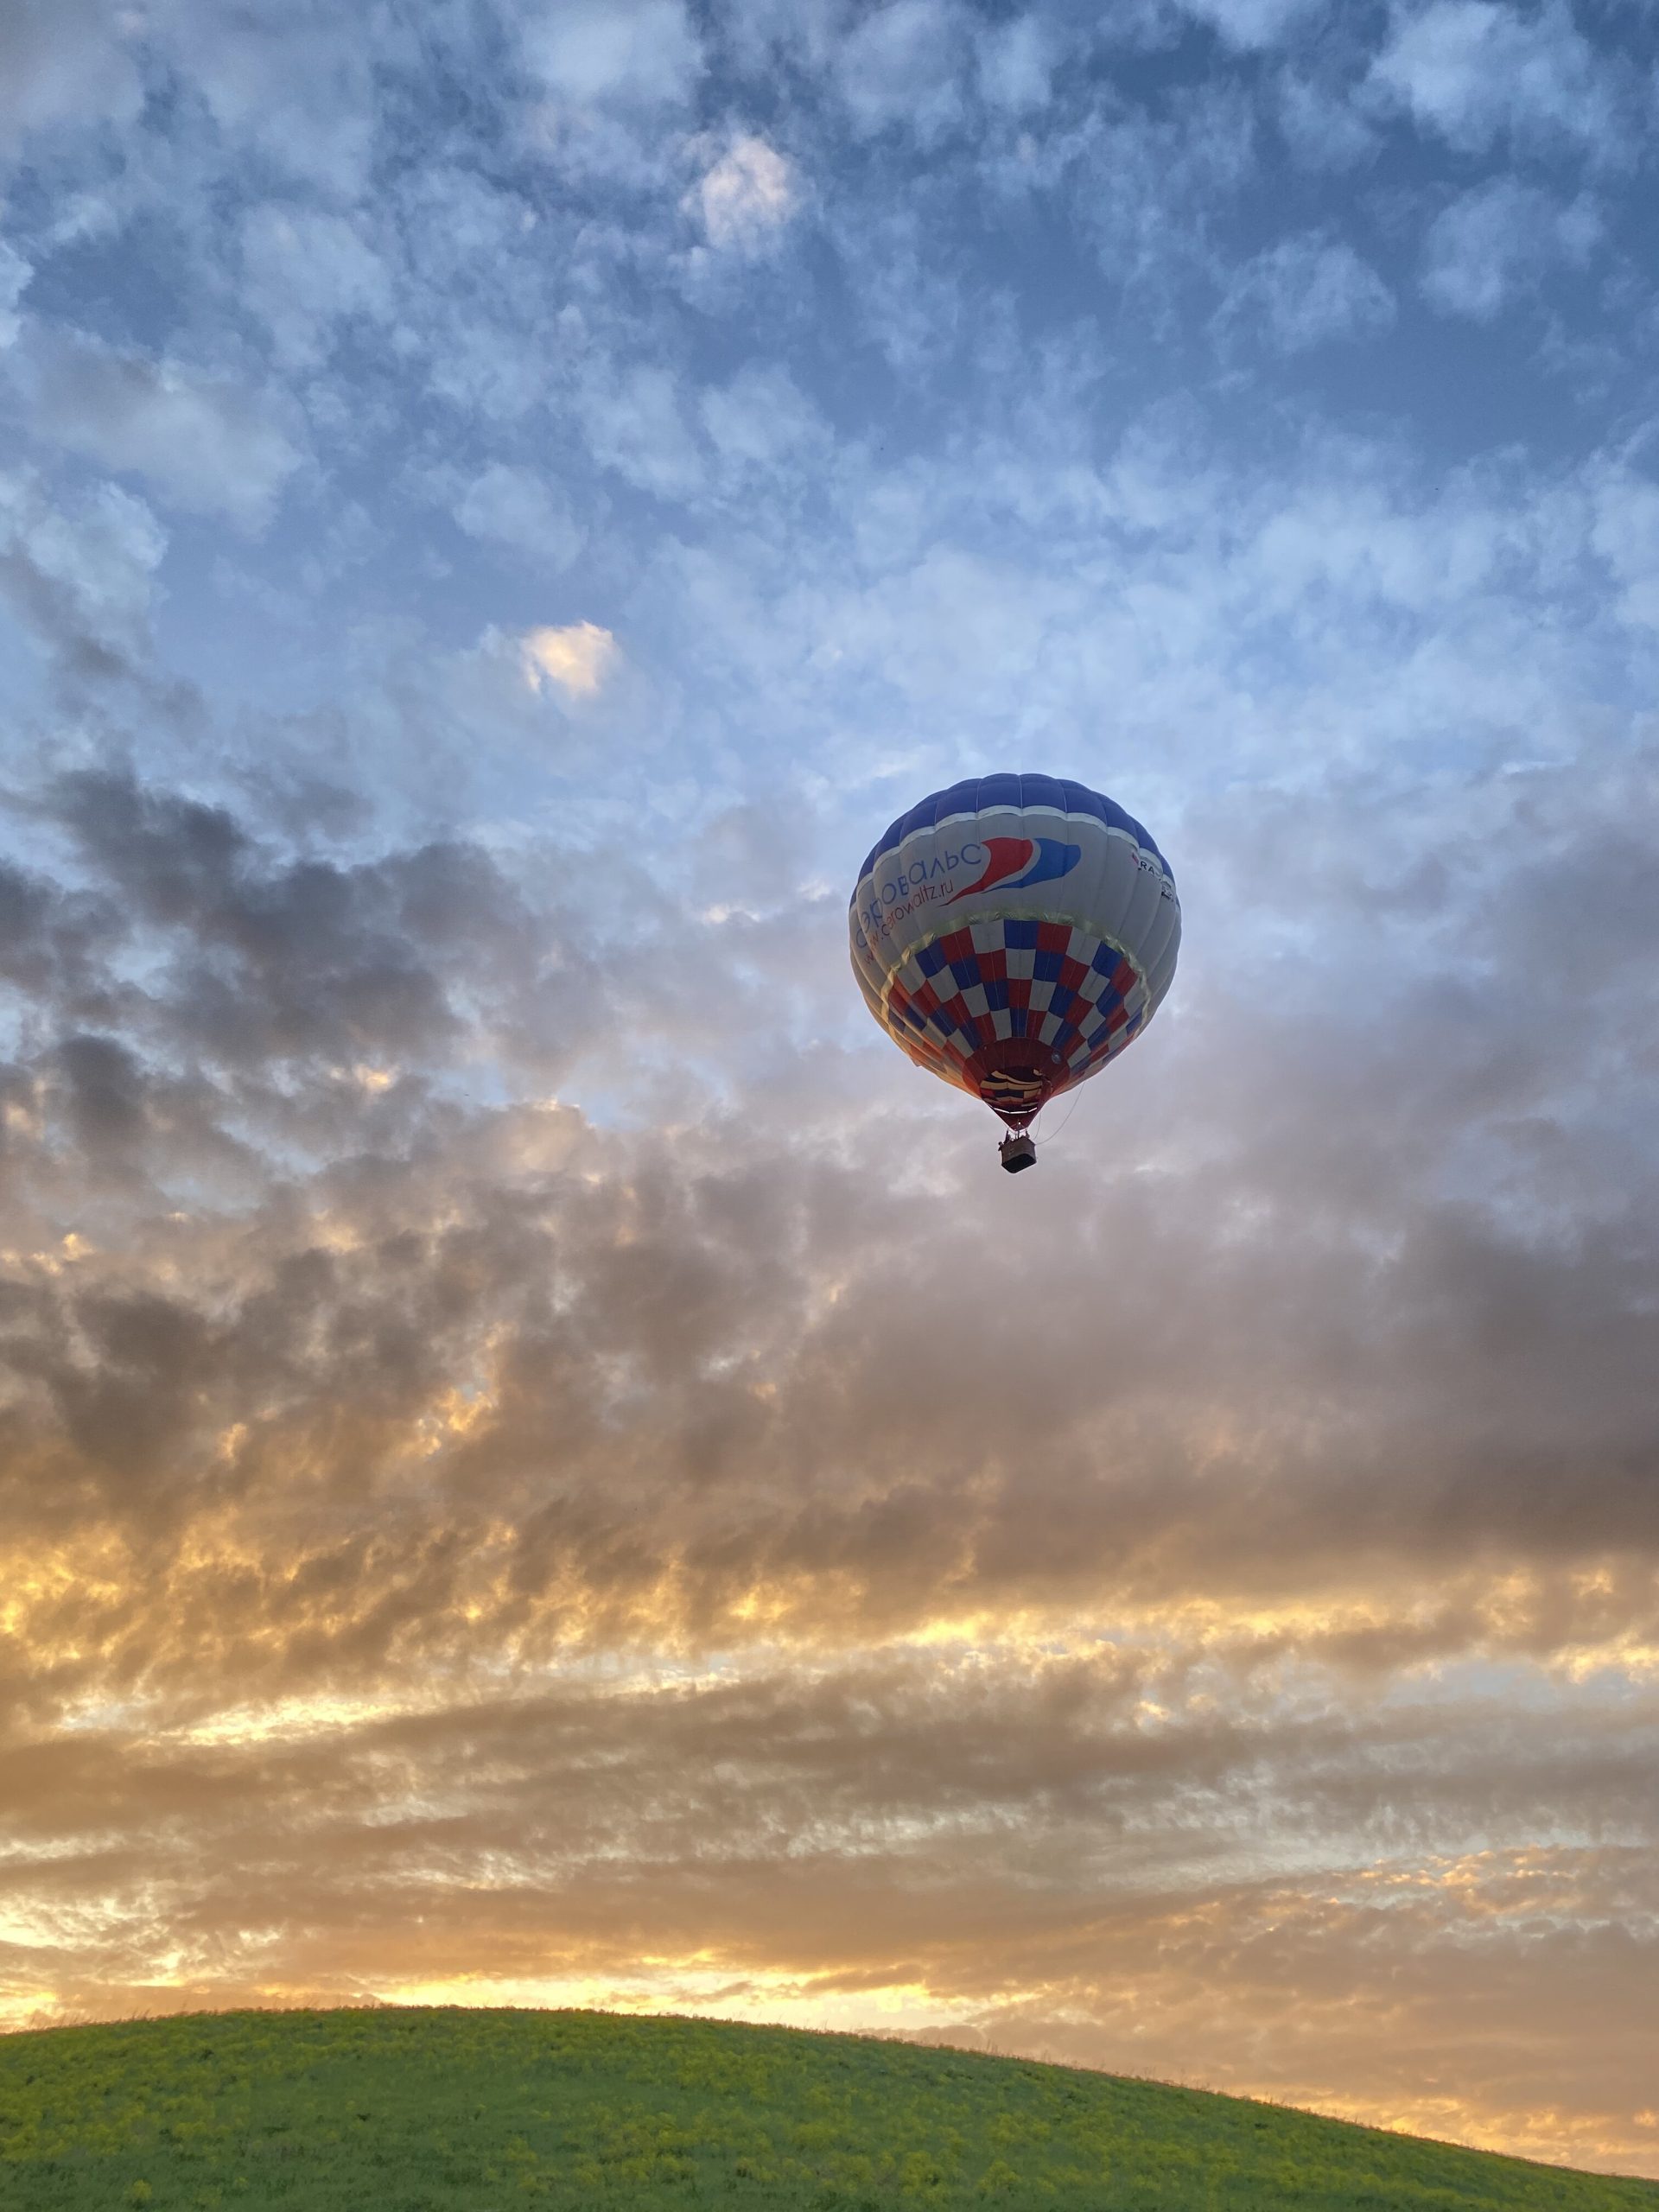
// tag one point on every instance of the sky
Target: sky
(540, 1461)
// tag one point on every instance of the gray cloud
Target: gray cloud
(1465, 1359)
(64, 65)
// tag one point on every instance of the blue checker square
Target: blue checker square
(930, 958)
(996, 995)
(1020, 937)
(1105, 959)
(1047, 967)
(966, 973)
(1017, 1020)
(1061, 999)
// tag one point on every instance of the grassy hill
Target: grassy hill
(422, 2111)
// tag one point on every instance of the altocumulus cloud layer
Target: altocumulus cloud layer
(541, 1461)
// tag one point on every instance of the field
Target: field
(427, 2110)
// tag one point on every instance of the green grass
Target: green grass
(430, 2110)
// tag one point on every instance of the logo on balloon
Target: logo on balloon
(1013, 863)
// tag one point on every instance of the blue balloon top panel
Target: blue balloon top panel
(978, 793)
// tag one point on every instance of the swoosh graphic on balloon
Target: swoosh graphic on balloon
(1016, 862)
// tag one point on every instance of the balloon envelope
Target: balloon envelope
(1013, 934)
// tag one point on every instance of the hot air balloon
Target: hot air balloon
(1012, 934)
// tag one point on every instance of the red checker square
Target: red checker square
(994, 967)
(1122, 978)
(959, 945)
(1116, 1020)
(1073, 973)
(926, 999)
(985, 1029)
(1054, 936)
(1019, 990)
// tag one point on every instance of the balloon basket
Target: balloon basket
(1017, 1151)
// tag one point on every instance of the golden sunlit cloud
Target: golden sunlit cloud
(577, 658)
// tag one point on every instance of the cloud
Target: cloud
(577, 658)
(293, 94)
(307, 272)
(1146, 184)
(1307, 291)
(1626, 535)
(517, 508)
(81, 574)
(626, 53)
(746, 197)
(1250, 23)
(15, 275)
(1017, 60)
(207, 442)
(1500, 240)
(902, 66)
(1471, 69)
(1496, 1348)
(636, 425)
(63, 65)
(1323, 126)
(355, 1381)
(761, 420)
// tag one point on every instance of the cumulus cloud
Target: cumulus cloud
(1626, 535)
(902, 64)
(630, 54)
(576, 657)
(207, 442)
(1323, 127)
(80, 574)
(15, 274)
(1501, 239)
(636, 425)
(515, 507)
(307, 270)
(63, 65)
(761, 419)
(746, 198)
(1017, 60)
(1308, 291)
(292, 92)
(1468, 69)
(1250, 23)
